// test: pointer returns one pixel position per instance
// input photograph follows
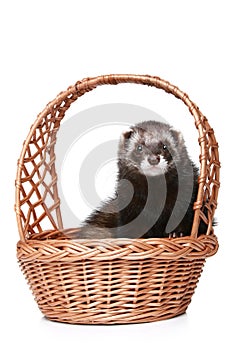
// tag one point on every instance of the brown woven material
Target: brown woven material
(107, 281)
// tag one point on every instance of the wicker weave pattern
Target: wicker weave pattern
(113, 291)
(107, 281)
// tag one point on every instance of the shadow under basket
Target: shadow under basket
(108, 281)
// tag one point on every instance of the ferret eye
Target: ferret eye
(139, 148)
(164, 147)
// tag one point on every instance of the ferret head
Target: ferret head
(151, 147)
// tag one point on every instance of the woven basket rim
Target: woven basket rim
(118, 248)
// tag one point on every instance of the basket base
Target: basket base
(113, 319)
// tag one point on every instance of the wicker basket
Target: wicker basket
(112, 280)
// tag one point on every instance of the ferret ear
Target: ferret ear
(127, 134)
(177, 135)
(125, 137)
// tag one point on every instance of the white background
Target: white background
(48, 45)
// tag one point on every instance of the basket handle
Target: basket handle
(206, 138)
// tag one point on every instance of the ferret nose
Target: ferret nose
(154, 160)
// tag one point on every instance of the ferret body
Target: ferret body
(156, 187)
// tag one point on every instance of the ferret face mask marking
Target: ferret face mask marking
(151, 159)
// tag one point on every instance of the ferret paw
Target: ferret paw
(175, 234)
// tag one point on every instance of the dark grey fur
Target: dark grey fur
(157, 198)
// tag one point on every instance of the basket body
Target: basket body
(107, 281)
(129, 282)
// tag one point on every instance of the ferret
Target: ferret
(156, 187)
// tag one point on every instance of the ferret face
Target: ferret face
(152, 147)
